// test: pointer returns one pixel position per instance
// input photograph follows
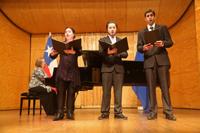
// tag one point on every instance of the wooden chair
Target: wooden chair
(30, 97)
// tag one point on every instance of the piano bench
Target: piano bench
(29, 96)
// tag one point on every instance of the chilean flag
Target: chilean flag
(50, 63)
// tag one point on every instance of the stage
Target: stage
(188, 121)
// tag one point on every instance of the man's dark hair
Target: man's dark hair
(111, 21)
(148, 11)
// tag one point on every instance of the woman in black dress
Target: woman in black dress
(67, 77)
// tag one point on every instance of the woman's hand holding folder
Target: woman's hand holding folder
(70, 51)
(53, 53)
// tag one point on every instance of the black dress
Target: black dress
(67, 79)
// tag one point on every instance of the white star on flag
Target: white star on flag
(48, 50)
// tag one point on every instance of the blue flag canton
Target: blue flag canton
(48, 49)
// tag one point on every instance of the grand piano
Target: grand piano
(90, 74)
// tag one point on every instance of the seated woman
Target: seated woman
(47, 94)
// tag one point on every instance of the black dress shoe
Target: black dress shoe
(70, 116)
(170, 117)
(103, 116)
(152, 116)
(120, 116)
(58, 116)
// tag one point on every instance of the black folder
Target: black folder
(58, 46)
(152, 36)
(76, 44)
(121, 45)
(61, 46)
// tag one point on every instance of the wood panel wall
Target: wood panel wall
(15, 61)
(39, 16)
(197, 24)
(185, 88)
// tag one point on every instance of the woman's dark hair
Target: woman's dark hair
(109, 22)
(73, 30)
(148, 11)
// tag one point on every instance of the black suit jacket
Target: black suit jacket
(112, 62)
(161, 57)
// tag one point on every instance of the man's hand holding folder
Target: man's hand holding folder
(118, 47)
(147, 47)
(112, 51)
(159, 43)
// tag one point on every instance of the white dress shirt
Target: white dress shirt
(113, 39)
(148, 27)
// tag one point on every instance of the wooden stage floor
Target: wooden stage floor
(188, 121)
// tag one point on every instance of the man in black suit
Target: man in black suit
(156, 65)
(112, 74)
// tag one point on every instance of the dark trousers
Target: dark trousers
(162, 74)
(109, 79)
(48, 100)
(63, 87)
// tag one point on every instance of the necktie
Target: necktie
(151, 28)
